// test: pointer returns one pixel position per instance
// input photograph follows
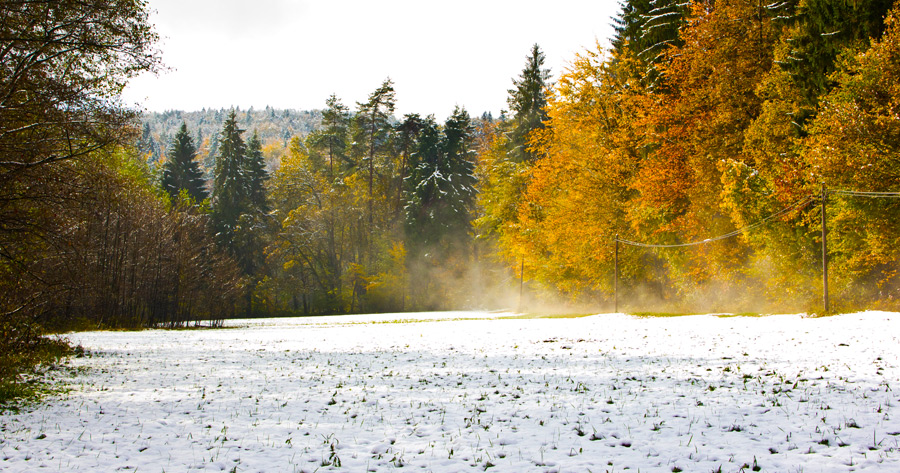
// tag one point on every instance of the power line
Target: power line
(823, 198)
(864, 193)
(737, 232)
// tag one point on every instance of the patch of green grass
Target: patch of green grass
(457, 319)
(23, 363)
(659, 314)
(685, 314)
(543, 316)
(87, 326)
(192, 326)
(14, 395)
(406, 321)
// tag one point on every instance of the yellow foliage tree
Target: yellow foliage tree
(854, 145)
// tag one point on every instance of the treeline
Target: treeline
(366, 213)
(274, 127)
(86, 237)
(376, 214)
(702, 119)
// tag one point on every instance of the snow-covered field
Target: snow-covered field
(470, 391)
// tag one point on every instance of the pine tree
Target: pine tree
(229, 196)
(824, 28)
(645, 29)
(239, 201)
(331, 140)
(407, 138)
(374, 117)
(527, 102)
(255, 174)
(373, 139)
(460, 157)
(336, 120)
(440, 189)
(181, 171)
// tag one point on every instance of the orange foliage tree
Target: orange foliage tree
(854, 144)
(573, 206)
(695, 129)
(729, 140)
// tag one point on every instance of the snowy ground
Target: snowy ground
(468, 391)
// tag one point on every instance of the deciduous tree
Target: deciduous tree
(854, 144)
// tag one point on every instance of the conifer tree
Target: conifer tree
(528, 101)
(644, 30)
(505, 162)
(440, 189)
(229, 196)
(372, 138)
(256, 174)
(239, 201)
(424, 185)
(374, 120)
(181, 171)
(459, 133)
(332, 139)
(407, 133)
(822, 29)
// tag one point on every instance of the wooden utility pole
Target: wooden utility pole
(824, 251)
(616, 284)
(521, 282)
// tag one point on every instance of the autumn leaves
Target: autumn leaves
(753, 108)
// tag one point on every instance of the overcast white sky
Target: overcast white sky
(296, 53)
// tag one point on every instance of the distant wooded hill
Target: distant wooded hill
(275, 127)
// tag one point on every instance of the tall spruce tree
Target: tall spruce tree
(822, 30)
(645, 29)
(423, 184)
(407, 136)
(527, 101)
(459, 135)
(239, 201)
(181, 171)
(230, 197)
(256, 174)
(440, 189)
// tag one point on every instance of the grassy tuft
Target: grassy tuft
(684, 314)
(544, 316)
(24, 356)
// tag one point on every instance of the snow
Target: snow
(448, 392)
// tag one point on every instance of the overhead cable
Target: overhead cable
(739, 231)
(864, 193)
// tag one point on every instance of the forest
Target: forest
(710, 119)
(275, 128)
(701, 120)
